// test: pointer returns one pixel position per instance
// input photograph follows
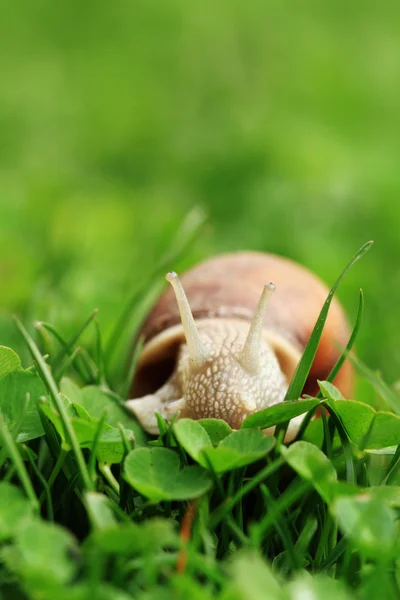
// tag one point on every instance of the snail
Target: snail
(222, 343)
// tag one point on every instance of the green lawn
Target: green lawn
(282, 122)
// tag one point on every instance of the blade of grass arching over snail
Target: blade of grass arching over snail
(350, 343)
(303, 368)
(339, 363)
(150, 287)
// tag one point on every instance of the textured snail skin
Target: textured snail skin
(222, 388)
(223, 293)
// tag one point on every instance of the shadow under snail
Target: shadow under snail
(214, 349)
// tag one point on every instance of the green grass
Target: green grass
(118, 119)
(90, 506)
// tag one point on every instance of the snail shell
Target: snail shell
(228, 375)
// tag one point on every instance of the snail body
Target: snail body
(216, 349)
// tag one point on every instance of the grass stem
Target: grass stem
(19, 465)
(54, 393)
(218, 515)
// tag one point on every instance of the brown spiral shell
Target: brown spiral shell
(229, 286)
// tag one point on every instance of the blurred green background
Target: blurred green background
(282, 119)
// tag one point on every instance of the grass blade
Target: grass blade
(292, 494)
(350, 343)
(282, 528)
(54, 394)
(218, 515)
(100, 363)
(46, 488)
(54, 474)
(13, 452)
(132, 368)
(67, 362)
(303, 368)
(68, 346)
(96, 439)
(186, 234)
(380, 386)
(67, 351)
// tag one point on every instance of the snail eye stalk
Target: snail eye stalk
(197, 353)
(250, 355)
